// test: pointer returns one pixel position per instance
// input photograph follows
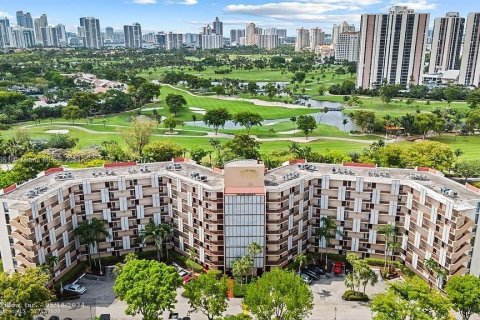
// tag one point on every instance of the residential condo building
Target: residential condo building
(341, 28)
(303, 40)
(392, 48)
(220, 212)
(317, 38)
(446, 43)
(90, 33)
(133, 35)
(250, 34)
(470, 65)
(347, 48)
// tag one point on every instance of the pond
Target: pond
(334, 117)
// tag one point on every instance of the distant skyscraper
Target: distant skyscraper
(392, 48)
(235, 35)
(446, 43)
(347, 46)
(303, 39)
(4, 33)
(41, 22)
(211, 41)
(161, 39)
(174, 41)
(267, 41)
(90, 32)
(343, 27)
(21, 19)
(109, 33)
(133, 36)
(470, 66)
(317, 38)
(218, 27)
(22, 38)
(250, 32)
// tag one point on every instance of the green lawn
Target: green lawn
(468, 144)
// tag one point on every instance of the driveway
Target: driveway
(99, 298)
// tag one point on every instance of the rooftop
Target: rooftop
(278, 178)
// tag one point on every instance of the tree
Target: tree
(281, 294)
(363, 119)
(138, 134)
(307, 124)
(253, 250)
(294, 120)
(301, 260)
(175, 103)
(424, 123)
(50, 264)
(410, 299)
(216, 118)
(90, 233)
(473, 98)
(86, 101)
(252, 88)
(388, 91)
(328, 229)
(240, 268)
(388, 231)
(344, 122)
(198, 153)
(464, 293)
(23, 295)
(468, 168)
(170, 123)
(435, 268)
(248, 119)
(162, 151)
(148, 287)
(159, 233)
(271, 90)
(207, 294)
(243, 146)
(71, 112)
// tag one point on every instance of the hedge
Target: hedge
(351, 295)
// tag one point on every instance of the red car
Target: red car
(337, 268)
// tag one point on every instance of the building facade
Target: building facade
(219, 213)
(133, 35)
(392, 48)
(317, 38)
(470, 65)
(212, 41)
(39, 23)
(90, 33)
(303, 40)
(446, 43)
(341, 28)
(347, 48)
(250, 34)
(4, 33)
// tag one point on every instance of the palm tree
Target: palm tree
(327, 231)
(99, 231)
(301, 259)
(191, 256)
(84, 231)
(435, 268)
(350, 281)
(240, 268)
(388, 231)
(49, 267)
(344, 122)
(254, 249)
(393, 246)
(158, 233)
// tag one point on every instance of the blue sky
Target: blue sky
(190, 15)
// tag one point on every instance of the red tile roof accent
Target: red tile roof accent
(180, 160)
(472, 188)
(244, 190)
(120, 164)
(359, 165)
(10, 188)
(53, 170)
(296, 161)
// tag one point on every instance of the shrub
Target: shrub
(193, 265)
(351, 295)
(239, 290)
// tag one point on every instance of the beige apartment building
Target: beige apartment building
(220, 212)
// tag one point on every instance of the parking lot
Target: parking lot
(327, 293)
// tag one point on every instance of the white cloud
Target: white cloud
(145, 1)
(304, 10)
(185, 2)
(4, 14)
(417, 5)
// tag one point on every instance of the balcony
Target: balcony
(25, 240)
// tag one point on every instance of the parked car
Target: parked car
(105, 316)
(311, 273)
(306, 278)
(338, 268)
(318, 270)
(75, 288)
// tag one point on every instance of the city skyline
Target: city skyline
(157, 15)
